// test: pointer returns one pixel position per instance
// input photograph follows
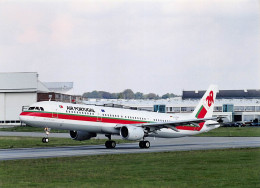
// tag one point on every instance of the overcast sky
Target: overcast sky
(148, 46)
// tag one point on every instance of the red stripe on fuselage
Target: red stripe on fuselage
(81, 118)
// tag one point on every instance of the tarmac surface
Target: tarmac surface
(157, 145)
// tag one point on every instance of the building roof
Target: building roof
(42, 88)
(59, 87)
(18, 82)
(224, 94)
(173, 102)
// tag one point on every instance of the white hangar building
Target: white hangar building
(18, 90)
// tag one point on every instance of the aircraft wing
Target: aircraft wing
(172, 125)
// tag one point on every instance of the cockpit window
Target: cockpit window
(36, 108)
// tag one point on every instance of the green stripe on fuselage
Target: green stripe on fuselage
(92, 116)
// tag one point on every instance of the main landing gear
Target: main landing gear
(47, 132)
(110, 143)
(144, 144)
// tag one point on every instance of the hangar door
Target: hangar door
(11, 105)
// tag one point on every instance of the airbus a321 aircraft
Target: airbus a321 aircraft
(85, 121)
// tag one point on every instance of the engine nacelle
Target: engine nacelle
(131, 132)
(81, 135)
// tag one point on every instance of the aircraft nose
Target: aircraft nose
(22, 116)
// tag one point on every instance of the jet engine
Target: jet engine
(129, 132)
(81, 135)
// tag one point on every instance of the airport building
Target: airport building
(19, 90)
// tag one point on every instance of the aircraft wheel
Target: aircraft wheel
(107, 144)
(146, 144)
(141, 144)
(45, 140)
(110, 144)
(113, 144)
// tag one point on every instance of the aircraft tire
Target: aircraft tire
(45, 140)
(110, 144)
(141, 144)
(146, 144)
(113, 144)
(107, 144)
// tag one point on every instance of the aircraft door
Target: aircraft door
(99, 117)
(55, 114)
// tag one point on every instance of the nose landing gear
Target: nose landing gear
(47, 132)
(45, 140)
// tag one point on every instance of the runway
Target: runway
(157, 145)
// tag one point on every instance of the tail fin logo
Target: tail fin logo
(210, 98)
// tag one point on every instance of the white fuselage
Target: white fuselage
(99, 119)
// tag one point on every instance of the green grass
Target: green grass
(30, 129)
(7, 142)
(222, 131)
(234, 132)
(213, 168)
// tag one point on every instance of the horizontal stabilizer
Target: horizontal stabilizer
(195, 124)
(212, 124)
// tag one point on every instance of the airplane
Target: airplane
(86, 121)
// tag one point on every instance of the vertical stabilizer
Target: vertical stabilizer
(206, 105)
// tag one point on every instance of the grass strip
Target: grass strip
(30, 129)
(233, 132)
(211, 168)
(221, 132)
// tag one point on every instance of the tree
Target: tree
(151, 96)
(169, 95)
(139, 95)
(166, 96)
(106, 95)
(128, 94)
(120, 96)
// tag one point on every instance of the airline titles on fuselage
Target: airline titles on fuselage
(80, 109)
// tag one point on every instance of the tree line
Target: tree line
(126, 94)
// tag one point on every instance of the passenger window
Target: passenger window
(41, 108)
(37, 108)
(31, 108)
